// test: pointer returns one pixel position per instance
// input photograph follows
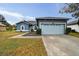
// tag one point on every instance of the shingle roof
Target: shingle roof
(28, 22)
(32, 22)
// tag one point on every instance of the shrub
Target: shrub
(73, 31)
(68, 30)
(38, 31)
(78, 22)
(32, 30)
(9, 28)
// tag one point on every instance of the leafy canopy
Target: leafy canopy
(72, 8)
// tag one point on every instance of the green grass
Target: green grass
(20, 47)
(74, 34)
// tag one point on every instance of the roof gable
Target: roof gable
(27, 22)
(23, 22)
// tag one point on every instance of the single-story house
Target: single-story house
(2, 27)
(73, 25)
(25, 25)
(52, 25)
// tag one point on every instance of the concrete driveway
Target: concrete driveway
(62, 45)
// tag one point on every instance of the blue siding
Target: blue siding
(18, 25)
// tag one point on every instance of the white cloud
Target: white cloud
(30, 18)
(14, 17)
(17, 15)
(27, 18)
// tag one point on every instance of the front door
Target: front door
(22, 27)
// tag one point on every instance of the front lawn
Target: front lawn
(74, 34)
(20, 47)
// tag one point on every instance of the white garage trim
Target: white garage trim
(47, 22)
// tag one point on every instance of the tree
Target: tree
(72, 8)
(3, 21)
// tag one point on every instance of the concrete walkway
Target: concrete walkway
(21, 36)
(62, 45)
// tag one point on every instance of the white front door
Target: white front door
(22, 27)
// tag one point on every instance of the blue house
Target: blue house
(25, 25)
(48, 25)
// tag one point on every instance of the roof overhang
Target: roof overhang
(53, 18)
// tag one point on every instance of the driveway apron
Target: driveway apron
(61, 45)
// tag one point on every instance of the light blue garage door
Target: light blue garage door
(52, 29)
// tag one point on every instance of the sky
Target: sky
(15, 12)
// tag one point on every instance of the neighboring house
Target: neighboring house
(52, 25)
(25, 25)
(2, 27)
(73, 25)
(3, 21)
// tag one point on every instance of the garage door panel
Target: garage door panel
(52, 29)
